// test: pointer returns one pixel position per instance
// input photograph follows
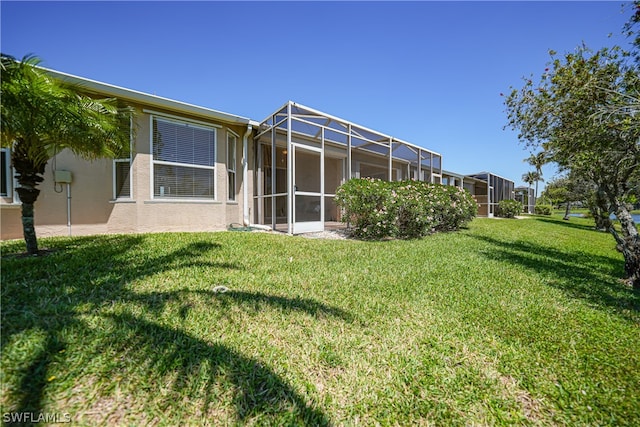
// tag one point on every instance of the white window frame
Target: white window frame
(232, 147)
(192, 123)
(115, 188)
(125, 160)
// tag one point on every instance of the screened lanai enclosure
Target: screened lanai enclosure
(489, 189)
(303, 155)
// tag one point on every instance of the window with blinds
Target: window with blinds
(122, 178)
(5, 173)
(184, 157)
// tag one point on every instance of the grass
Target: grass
(506, 322)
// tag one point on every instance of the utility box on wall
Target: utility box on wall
(63, 177)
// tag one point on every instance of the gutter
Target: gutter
(100, 88)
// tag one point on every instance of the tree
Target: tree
(570, 189)
(40, 117)
(583, 112)
(529, 178)
(557, 191)
(537, 161)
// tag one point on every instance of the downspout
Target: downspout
(245, 176)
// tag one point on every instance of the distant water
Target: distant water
(636, 217)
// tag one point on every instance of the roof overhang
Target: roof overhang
(100, 88)
(474, 175)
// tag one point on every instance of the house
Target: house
(197, 169)
(525, 195)
(489, 190)
(185, 173)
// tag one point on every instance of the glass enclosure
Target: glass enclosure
(314, 154)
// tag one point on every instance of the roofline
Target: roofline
(329, 116)
(459, 175)
(148, 99)
(489, 173)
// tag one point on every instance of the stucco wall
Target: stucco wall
(94, 210)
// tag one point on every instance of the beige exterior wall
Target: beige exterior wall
(94, 210)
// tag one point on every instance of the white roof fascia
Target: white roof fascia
(490, 173)
(457, 175)
(148, 99)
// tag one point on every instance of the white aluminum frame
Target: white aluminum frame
(123, 160)
(306, 226)
(357, 138)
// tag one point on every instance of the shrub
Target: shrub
(543, 210)
(405, 209)
(366, 204)
(509, 208)
(461, 209)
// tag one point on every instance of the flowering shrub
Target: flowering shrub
(405, 209)
(509, 208)
(543, 209)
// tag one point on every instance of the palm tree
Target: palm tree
(40, 117)
(537, 161)
(529, 178)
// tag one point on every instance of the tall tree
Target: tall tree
(537, 161)
(529, 178)
(40, 117)
(583, 112)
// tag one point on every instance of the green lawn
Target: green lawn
(506, 322)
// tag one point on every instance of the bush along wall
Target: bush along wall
(404, 209)
(509, 208)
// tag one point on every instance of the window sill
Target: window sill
(232, 202)
(182, 202)
(10, 205)
(122, 201)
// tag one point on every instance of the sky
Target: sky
(430, 73)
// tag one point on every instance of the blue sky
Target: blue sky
(430, 73)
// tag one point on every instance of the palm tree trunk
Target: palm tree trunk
(28, 219)
(29, 175)
(29, 229)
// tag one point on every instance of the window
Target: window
(5, 172)
(122, 178)
(231, 165)
(183, 160)
(122, 173)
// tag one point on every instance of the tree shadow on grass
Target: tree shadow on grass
(258, 392)
(569, 224)
(49, 296)
(258, 300)
(592, 278)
